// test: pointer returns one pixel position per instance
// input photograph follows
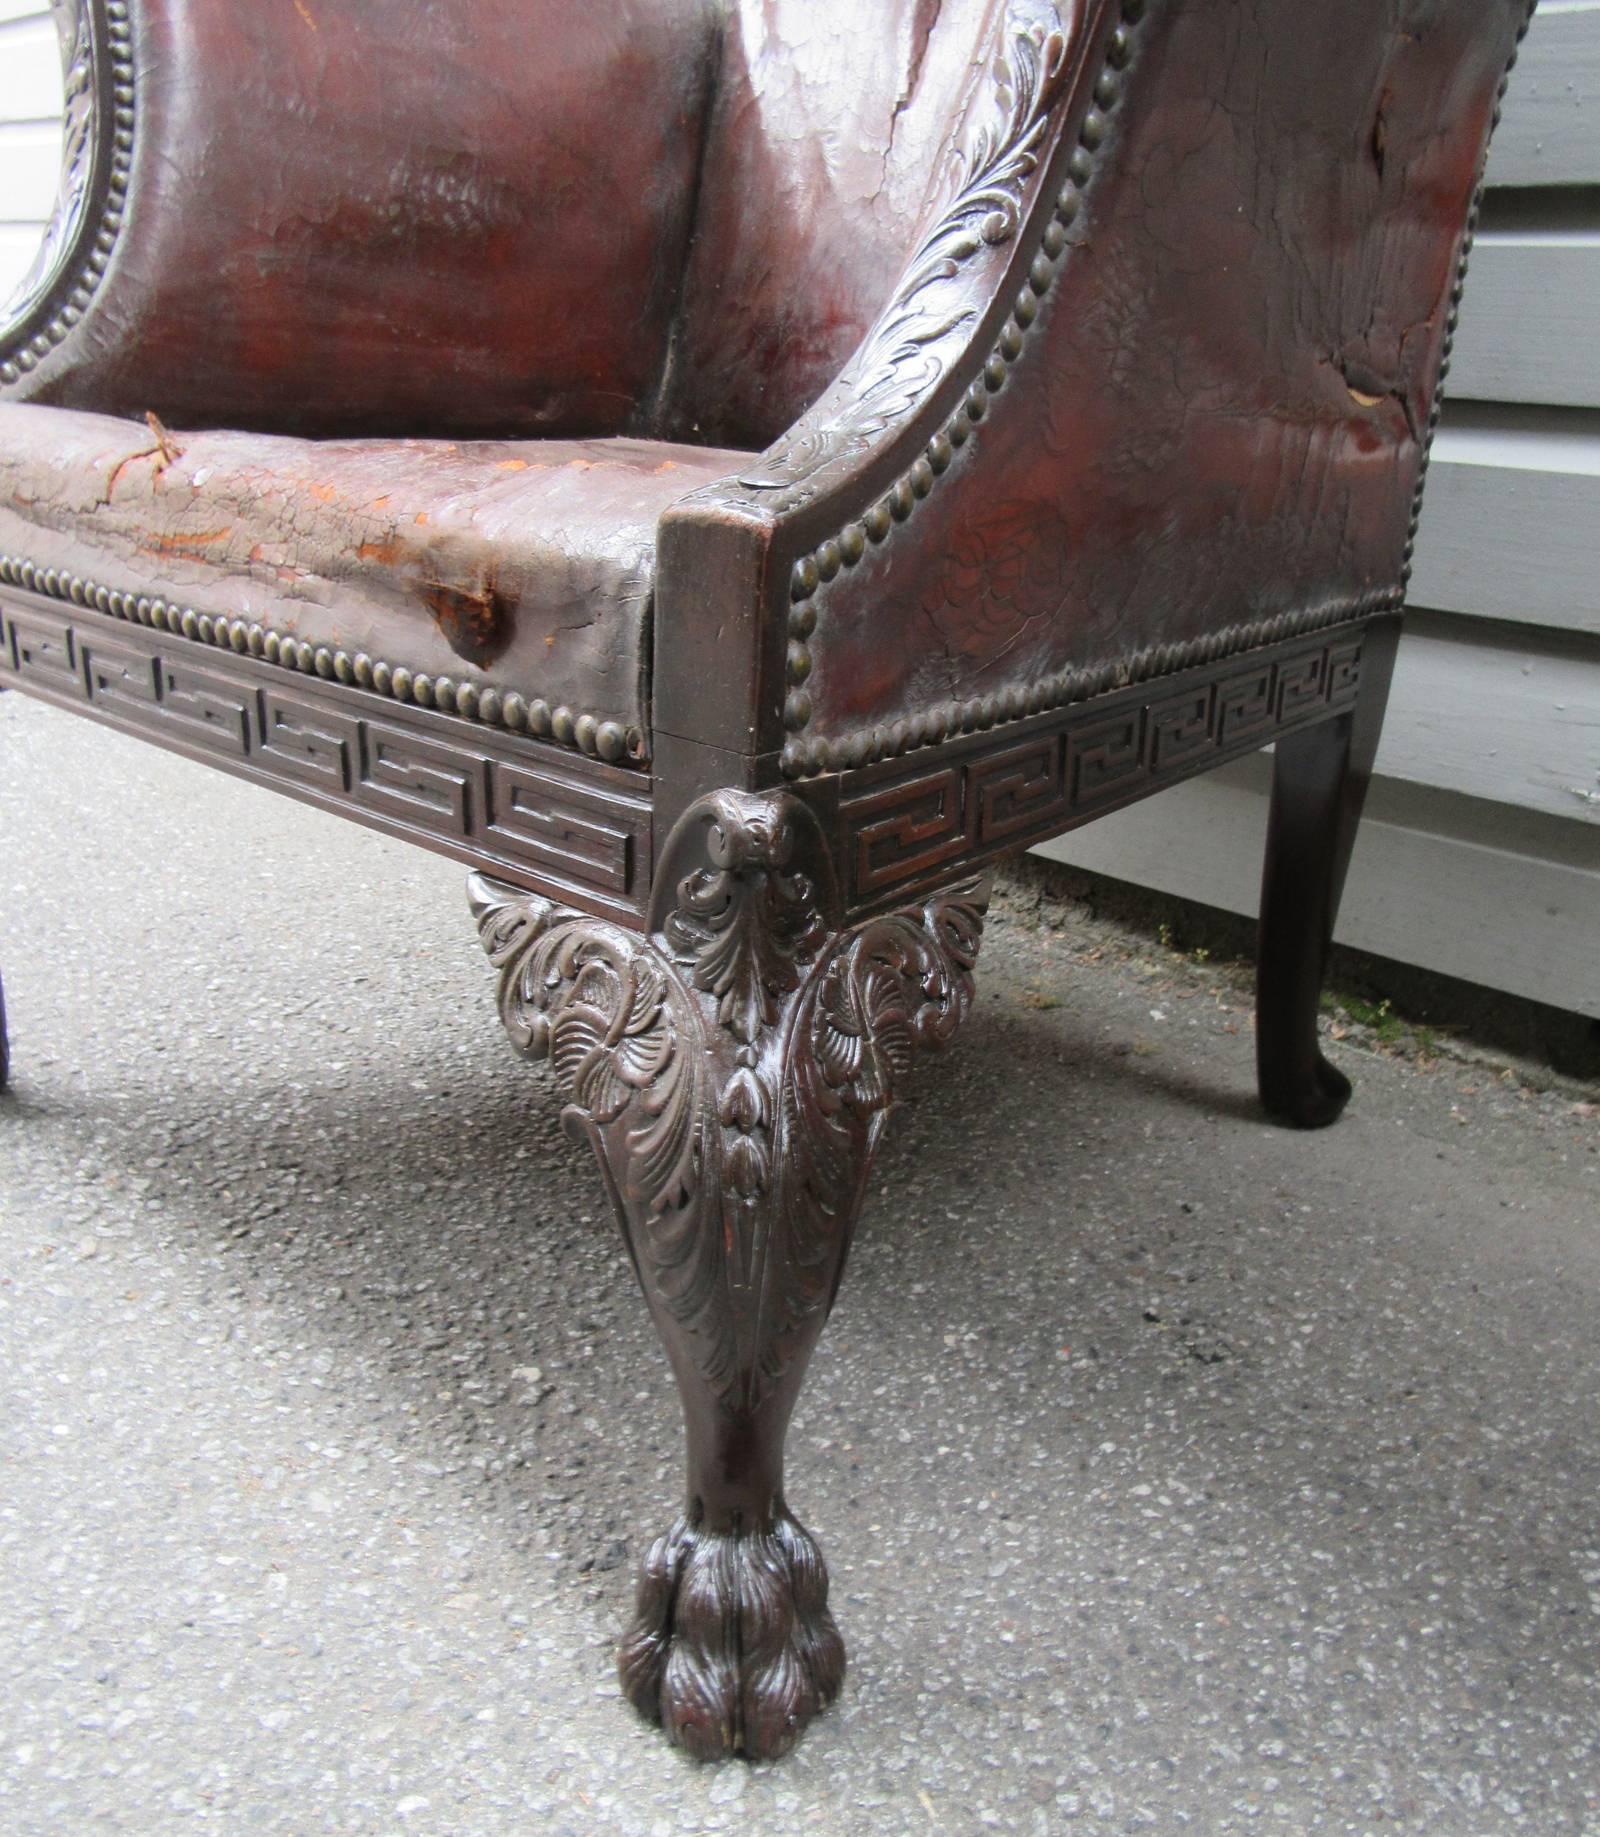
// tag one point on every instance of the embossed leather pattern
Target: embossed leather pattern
(1219, 414)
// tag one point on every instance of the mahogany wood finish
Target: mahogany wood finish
(733, 1072)
(1095, 346)
(1319, 783)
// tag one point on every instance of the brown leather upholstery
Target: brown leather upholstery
(1210, 417)
(1180, 406)
(459, 229)
(1219, 416)
(526, 566)
(383, 216)
(830, 145)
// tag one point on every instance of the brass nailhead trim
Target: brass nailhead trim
(585, 733)
(802, 758)
(79, 287)
(887, 741)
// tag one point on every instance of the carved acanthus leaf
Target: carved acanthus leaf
(922, 330)
(622, 1034)
(745, 922)
(736, 1108)
(901, 982)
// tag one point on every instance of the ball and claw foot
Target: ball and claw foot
(732, 1649)
(1314, 1099)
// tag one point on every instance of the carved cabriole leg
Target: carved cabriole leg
(733, 1072)
(1319, 784)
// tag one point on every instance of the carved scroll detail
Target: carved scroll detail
(923, 329)
(733, 1073)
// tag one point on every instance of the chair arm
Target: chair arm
(1193, 392)
(366, 216)
(857, 460)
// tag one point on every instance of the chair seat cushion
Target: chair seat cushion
(525, 567)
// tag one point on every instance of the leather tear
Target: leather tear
(476, 621)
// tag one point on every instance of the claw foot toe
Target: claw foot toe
(732, 1649)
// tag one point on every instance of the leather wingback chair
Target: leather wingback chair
(726, 470)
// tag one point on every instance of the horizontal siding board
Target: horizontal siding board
(1497, 722)
(1551, 131)
(1508, 532)
(30, 170)
(14, 12)
(1528, 322)
(19, 243)
(30, 70)
(1449, 903)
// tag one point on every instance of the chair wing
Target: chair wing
(1156, 385)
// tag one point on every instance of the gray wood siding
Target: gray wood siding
(30, 132)
(1551, 131)
(1481, 854)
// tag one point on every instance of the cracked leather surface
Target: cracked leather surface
(398, 216)
(1216, 418)
(526, 564)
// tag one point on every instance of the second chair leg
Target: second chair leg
(1308, 845)
(1319, 784)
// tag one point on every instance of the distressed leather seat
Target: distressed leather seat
(729, 470)
(510, 580)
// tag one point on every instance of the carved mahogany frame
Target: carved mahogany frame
(584, 832)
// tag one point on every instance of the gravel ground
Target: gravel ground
(1176, 1473)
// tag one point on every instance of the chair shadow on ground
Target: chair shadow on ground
(435, 1189)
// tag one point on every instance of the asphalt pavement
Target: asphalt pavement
(1176, 1473)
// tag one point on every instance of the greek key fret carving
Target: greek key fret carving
(475, 793)
(903, 824)
(43, 650)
